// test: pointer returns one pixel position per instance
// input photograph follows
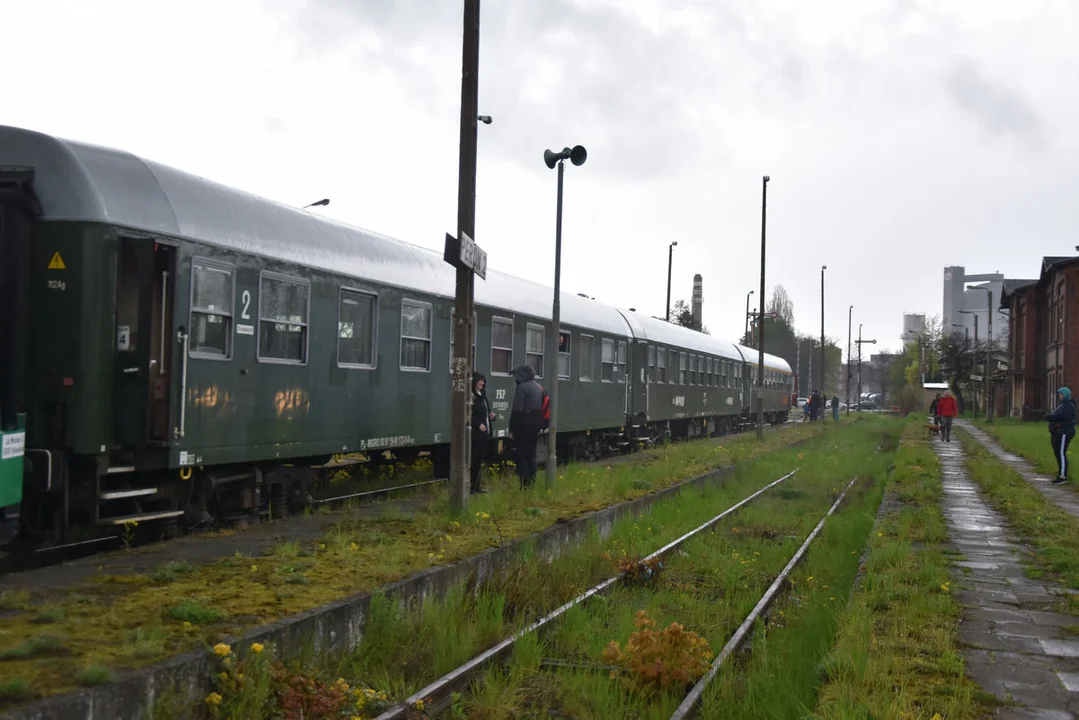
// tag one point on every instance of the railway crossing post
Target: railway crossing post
(463, 254)
(577, 156)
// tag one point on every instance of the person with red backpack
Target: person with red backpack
(530, 414)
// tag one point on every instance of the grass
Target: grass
(896, 653)
(710, 587)
(188, 606)
(1029, 440)
(1053, 533)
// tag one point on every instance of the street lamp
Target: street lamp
(670, 261)
(760, 351)
(485, 119)
(577, 156)
(850, 314)
(745, 335)
(822, 269)
(988, 346)
(323, 202)
(861, 342)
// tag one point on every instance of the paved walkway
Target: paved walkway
(1062, 496)
(1017, 648)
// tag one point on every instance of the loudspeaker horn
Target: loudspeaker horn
(551, 158)
(578, 155)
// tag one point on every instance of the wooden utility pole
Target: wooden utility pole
(464, 249)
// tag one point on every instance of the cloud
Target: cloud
(998, 109)
(645, 91)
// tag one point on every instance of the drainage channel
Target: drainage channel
(438, 694)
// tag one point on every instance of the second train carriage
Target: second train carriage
(190, 339)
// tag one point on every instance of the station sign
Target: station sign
(465, 253)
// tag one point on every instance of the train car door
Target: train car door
(143, 351)
(645, 364)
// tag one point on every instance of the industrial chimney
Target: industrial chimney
(698, 301)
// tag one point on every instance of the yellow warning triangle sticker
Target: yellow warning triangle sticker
(57, 262)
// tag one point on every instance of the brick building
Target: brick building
(1043, 337)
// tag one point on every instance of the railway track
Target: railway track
(439, 694)
(57, 554)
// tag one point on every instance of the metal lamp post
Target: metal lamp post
(670, 262)
(577, 155)
(988, 348)
(822, 269)
(760, 346)
(850, 314)
(745, 335)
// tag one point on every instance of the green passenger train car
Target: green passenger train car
(178, 347)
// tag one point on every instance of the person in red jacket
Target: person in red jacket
(947, 410)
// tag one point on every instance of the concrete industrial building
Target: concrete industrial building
(966, 310)
(913, 324)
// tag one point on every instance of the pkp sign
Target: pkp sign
(466, 254)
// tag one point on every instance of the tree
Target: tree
(681, 314)
(782, 306)
(958, 355)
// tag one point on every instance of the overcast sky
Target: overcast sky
(900, 136)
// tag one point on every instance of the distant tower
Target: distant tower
(698, 301)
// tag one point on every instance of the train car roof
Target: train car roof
(772, 362)
(83, 182)
(659, 331)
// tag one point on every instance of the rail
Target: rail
(440, 689)
(694, 695)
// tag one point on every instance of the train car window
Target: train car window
(563, 354)
(681, 368)
(724, 372)
(356, 320)
(415, 335)
(283, 306)
(585, 366)
(651, 363)
(475, 332)
(607, 360)
(712, 372)
(212, 293)
(501, 346)
(693, 369)
(621, 361)
(661, 365)
(534, 348)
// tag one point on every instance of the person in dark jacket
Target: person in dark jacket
(526, 421)
(933, 410)
(1061, 431)
(835, 407)
(482, 422)
(814, 406)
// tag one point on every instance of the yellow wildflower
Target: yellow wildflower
(254, 568)
(187, 625)
(354, 546)
(257, 647)
(213, 699)
(222, 649)
(224, 676)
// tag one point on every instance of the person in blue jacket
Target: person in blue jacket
(1061, 431)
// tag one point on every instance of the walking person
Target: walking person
(835, 407)
(933, 410)
(814, 406)
(482, 430)
(947, 410)
(526, 421)
(1061, 431)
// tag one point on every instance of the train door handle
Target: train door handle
(128, 371)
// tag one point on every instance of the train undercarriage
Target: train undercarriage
(71, 500)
